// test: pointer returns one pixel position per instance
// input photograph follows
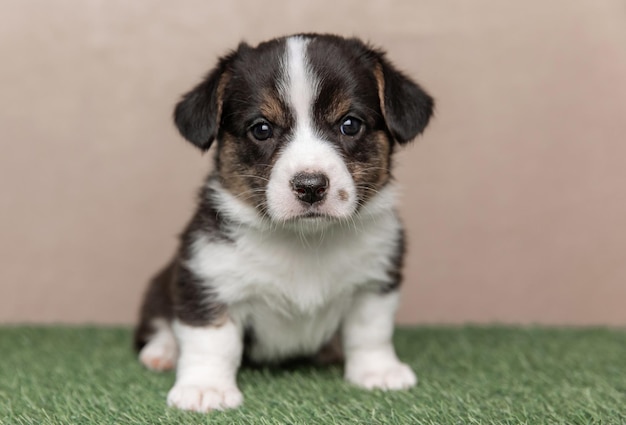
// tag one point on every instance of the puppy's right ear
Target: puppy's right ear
(199, 112)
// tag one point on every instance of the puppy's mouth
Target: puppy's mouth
(310, 222)
(313, 215)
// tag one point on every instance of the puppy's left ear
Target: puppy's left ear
(406, 107)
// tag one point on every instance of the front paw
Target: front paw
(204, 398)
(394, 376)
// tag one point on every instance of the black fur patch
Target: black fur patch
(157, 303)
(206, 221)
(194, 301)
(176, 291)
(397, 264)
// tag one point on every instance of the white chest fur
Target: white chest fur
(294, 288)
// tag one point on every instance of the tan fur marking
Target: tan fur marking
(338, 109)
(272, 109)
(246, 181)
(380, 83)
(221, 87)
(384, 146)
(372, 175)
(229, 167)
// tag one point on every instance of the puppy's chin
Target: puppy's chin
(295, 215)
(308, 225)
(311, 222)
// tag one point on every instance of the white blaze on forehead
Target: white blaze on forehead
(301, 85)
(305, 151)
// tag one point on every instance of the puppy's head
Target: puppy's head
(305, 125)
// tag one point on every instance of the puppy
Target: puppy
(295, 248)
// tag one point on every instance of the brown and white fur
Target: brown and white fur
(295, 248)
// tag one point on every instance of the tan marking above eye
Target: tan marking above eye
(338, 108)
(272, 109)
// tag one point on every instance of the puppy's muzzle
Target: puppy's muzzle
(310, 187)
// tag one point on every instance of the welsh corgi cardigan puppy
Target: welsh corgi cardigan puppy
(295, 249)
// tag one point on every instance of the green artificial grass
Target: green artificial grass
(469, 375)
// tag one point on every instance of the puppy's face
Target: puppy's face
(305, 125)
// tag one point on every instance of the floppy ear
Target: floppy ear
(406, 107)
(199, 112)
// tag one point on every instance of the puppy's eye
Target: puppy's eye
(351, 126)
(261, 131)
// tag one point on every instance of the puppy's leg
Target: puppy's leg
(371, 360)
(154, 338)
(161, 350)
(207, 367)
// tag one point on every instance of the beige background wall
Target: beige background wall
(515, 198)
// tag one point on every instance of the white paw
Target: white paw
(159, 355)
(395, 376)
(204, 399)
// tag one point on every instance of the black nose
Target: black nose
(310, 187)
